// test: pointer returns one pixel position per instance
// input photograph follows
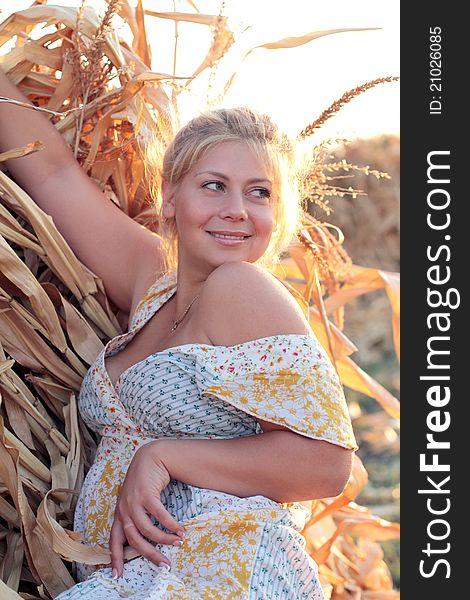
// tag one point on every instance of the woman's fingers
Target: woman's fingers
(147, 550)
(117, 540)
(133, 529)
(147, 528)
(156, 508)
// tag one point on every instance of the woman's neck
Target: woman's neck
(189, 286)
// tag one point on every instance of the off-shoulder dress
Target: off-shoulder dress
(234, 548)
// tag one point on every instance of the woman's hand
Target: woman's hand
(146, 478)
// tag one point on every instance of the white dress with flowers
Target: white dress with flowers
(235, 548)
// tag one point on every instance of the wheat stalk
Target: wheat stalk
(338, 104)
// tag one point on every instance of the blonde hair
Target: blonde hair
(272, 147)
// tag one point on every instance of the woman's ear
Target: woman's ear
(168, 199)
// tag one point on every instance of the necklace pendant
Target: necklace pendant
(178, 321)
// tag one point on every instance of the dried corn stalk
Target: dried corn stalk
(55, 317)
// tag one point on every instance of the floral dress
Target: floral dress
(234, 548)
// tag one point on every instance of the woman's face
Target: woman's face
(223, 208)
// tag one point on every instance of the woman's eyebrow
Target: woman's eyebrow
(222, 176)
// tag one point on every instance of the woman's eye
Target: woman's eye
(261, 192)
(213, 185)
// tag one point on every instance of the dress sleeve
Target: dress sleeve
(285, 379)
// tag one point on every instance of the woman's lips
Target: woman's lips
(226, 239)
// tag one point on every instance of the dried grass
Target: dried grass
(55, 317)
(338, 104)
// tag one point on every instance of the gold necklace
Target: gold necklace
(178, 321)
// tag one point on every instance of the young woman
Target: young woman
(218, 410)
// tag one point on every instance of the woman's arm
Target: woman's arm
(98, 232)
(281, 465)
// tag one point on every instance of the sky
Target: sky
(293, 85)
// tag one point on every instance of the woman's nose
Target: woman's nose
(234, 206)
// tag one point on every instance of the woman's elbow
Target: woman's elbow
(336, 473)
(341, 472)
(341, 477)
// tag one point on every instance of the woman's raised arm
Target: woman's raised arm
(125, 255)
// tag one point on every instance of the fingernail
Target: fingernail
(178, 543)
(115, 574)
(165, 565)
(181, 533)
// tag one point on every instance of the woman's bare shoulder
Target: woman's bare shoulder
(241, 301)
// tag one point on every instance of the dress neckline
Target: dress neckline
(139, 324)
(160, 292)
(181, 347)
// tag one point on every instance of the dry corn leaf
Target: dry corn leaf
(6, 593)
(313, 290)
(373, 573)
(131, 88)
(140, 41)
(55, 390)
(10, 569)
(74, 462)
(289, 269)
(374, 529)
(8, 221)
(293, 42)
(22, 239)
(37, 54)
(127, 13)
(58, 469)
(64, 88)
(14, 61)
(17, 272)
(30, 350)
(82, 337)
(67, 544)
(49, 14)
(380, 595)
(19, 72)
(326, 574)
(363, 281)
(8, 513)
(222, 40)
(199, 18)
(24, 151)
(18, 422)
(337, 344)
(5, 365)
(317, 534)
(44, 564)
(354, 377)
(27, 459)
(13, 387)
(341, 345)
(89, 23)
(191, 3)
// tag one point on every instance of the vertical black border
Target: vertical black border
(423, 132)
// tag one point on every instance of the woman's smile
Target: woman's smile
(226, 238)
